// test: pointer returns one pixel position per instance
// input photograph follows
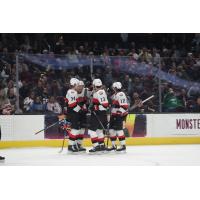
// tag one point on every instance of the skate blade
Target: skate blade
(120, 152)
(95, 153)
(105, 152)
(73, 153)
(82, 152)
(111, 152)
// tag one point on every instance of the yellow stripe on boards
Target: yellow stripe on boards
(87, 142)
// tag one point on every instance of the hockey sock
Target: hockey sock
(121, 137)
(113, 136)
(80, 136)
(72, 136)
(100, 136)
(94, 138)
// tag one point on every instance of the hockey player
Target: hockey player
(2, 158)
(119, 112)
(83, 95)
(98, 106)
(73, 113)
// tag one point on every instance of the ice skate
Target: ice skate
(95, 150)
(103, 148)
(122, 149)
(2, 158)
(72, 149)
(81, 149)
(111, 149)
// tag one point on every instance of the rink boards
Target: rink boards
(141, 129)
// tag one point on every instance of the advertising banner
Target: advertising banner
(173, 125)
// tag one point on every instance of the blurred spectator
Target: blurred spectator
(4, 101)
(149, 107)
(55, 89)
(4, 67)
(182, 96)
(53, 106)
(194, 90)
(60, 45)
(7, 109)
(127, 84)
(156, 57)
(136, 105)
(10, 85)
(137, 84)
(134, 54)
(28, 101)
(25, 89)
(171, 102)
(39, 88)
(145, 55)
(196, 107)
(37, 106)
(11, 96)
(108, 79)
(45, 95)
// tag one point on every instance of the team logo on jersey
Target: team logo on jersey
(121, 94)
(101, 93)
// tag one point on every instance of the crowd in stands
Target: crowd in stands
(41, 89)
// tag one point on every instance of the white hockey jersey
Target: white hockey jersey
(71, 100)
(100, 100)
(119, 104)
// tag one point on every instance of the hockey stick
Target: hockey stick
(65, 137)
(63, 143)
(48, 127)
(99, 121)
(108, 127)
(106, 130)
(108, 134)
(147, 99)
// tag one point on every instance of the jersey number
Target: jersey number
(123, 100)
(73, 98)
(103, 99)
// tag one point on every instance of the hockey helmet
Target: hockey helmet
(97, 82)
(117, 85)
(74, 81)
(81, 83)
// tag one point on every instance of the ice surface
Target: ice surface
(136, 155)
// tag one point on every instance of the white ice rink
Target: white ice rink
(136, 155)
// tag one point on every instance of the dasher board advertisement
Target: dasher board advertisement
(173, 125)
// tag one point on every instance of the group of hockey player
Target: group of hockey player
(91, 109)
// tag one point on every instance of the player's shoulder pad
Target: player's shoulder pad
(101, 92)
(121, 94)
(71, 91)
